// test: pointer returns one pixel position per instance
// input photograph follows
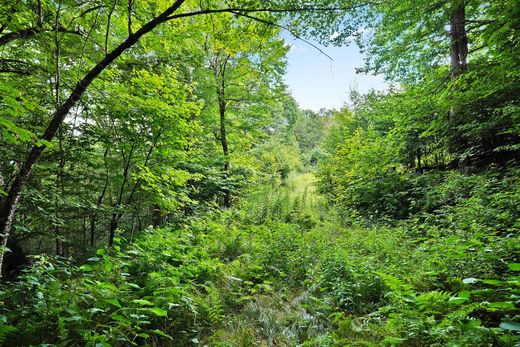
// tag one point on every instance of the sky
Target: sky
(317, 82)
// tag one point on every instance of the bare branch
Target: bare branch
(19, 72)
(130, 9)
(20, 34)
(284, 28)
(480, 21)
(109, 20)
(15, 66)
(246, 13)
(266, 10)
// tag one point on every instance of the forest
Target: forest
(160, 185)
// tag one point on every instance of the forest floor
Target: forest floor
(326, 283)
(278, 312)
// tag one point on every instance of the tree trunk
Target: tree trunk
(98, 203)
(8, 208)
(84, 236)
(459, 41)
(112, 231)
(61, 152)
(14, 260)
(157, 218)
(132, 227)
(458, 47)
(225, 149)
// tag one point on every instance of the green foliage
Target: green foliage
(225, 281)
(144, 294)
(5, 330)
(413, 242)
(278, 160)
(292, 200)
(364, 175)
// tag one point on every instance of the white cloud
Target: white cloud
(334, 36)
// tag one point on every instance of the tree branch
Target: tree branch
(29, 32)
(284, 28)
(130, 9)
(266, 10)
(8, 208)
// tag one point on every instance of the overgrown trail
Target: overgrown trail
(278, 311)
(318, 281)
(293, 199)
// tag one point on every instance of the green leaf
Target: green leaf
(107, 266)
(493, 282)
(95, 310)
(114, 302)
(143, 302)
(464, 294)
(161, 333)
(86, 268)
(42, 142)
(120, 318)
(503, 305)
(510, 325)
(107, 285)
(457, 300)
(514, 266)
(133, 285)
(158, 311)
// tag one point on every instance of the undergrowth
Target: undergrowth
(263, 275)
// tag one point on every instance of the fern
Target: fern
(433, 302)
(396, 285)
(461, 313)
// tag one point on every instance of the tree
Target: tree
(246, 76)
(453, 108)
(412, 42)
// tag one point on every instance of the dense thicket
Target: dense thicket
(388, 150)
(145, 115)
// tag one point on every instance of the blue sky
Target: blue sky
(317, 82)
